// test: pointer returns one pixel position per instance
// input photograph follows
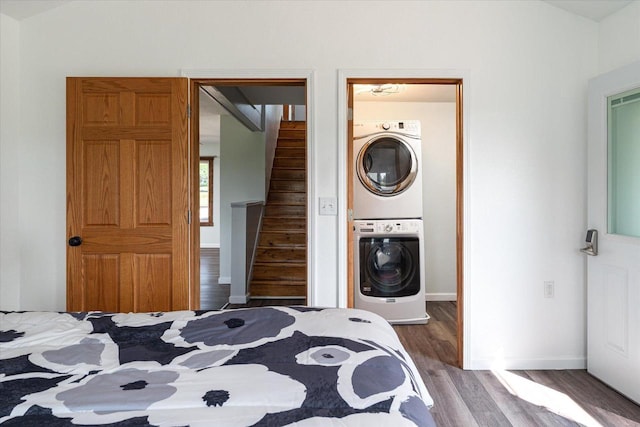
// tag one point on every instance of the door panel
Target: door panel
(613, 275)
(127, 194)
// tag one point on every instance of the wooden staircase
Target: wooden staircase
(280, 266)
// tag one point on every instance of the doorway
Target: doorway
(441, 90)
(269, 94)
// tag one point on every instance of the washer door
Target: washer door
(389, 267)
(386, 165)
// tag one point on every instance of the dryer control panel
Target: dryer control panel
(388, 227)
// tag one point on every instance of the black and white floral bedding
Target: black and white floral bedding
(270, 366)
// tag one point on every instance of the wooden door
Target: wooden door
(127, 194)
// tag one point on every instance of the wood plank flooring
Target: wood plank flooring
(512, 398)
(213, 295)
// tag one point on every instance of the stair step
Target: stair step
(292, 134)
(284, 223)
(286, 210)
(292, 143)
(288, 185)
(279, 271)
(281, 254)
(289, 163)
(297, 152)
(293, 124)
(280, 173)
(287, 198)
(283, 238)
(278, 289)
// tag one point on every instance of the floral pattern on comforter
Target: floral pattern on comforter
(270, 366)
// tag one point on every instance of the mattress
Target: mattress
(268, 366)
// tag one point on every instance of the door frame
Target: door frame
(460, 78)
(198, 77)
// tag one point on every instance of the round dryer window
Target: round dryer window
(390, 267)
(386, 166)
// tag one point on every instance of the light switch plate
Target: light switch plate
(328, 206)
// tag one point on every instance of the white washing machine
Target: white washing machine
(389, 269)
(387, 172)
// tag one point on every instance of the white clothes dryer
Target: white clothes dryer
(387, 172)
(389, 270)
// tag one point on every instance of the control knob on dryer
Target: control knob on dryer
(386, 126)
(388, 228)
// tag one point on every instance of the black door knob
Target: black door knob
(75, 241)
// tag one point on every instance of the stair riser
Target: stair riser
(275, 239)
(275, 224)
(294, 174)
(288, 198)
(281, 255)
(278, 290)
(292, 143)
(288, 185)
(292, 134)
(293, 124)
(284, 210)
(295, 152)
(267, 272)
(291, 163)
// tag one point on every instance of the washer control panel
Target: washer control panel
(388, 226)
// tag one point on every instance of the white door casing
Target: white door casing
(613, 276)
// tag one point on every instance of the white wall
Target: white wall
(241, 179)
(438, 160)
(273, 115)
(210, 235)
(619, 38)
(9, 163)
(527, 62)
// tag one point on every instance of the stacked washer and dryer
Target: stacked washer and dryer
(387, 211)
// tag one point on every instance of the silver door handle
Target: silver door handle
(591, 248)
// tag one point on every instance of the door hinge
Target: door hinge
(349, 215)
(188, 111)
(349, 113)
(188, 217)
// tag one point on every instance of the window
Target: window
(206, 191)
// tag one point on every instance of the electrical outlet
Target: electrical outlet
(549, 289)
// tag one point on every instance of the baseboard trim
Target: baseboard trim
(440, 296)
(239, 299)
(224, 280)
(529, 364)
(209, 245)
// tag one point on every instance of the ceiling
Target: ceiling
(21, 9)
(405, 93)
(596, 10)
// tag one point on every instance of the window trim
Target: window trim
(209, 223)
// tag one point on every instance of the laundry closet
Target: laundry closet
(404, 198)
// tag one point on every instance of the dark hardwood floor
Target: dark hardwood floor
(479, 398)
(213, 296)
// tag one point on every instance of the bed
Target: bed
(267, 366)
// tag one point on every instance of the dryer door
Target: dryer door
(389, 267)
(386, 165)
